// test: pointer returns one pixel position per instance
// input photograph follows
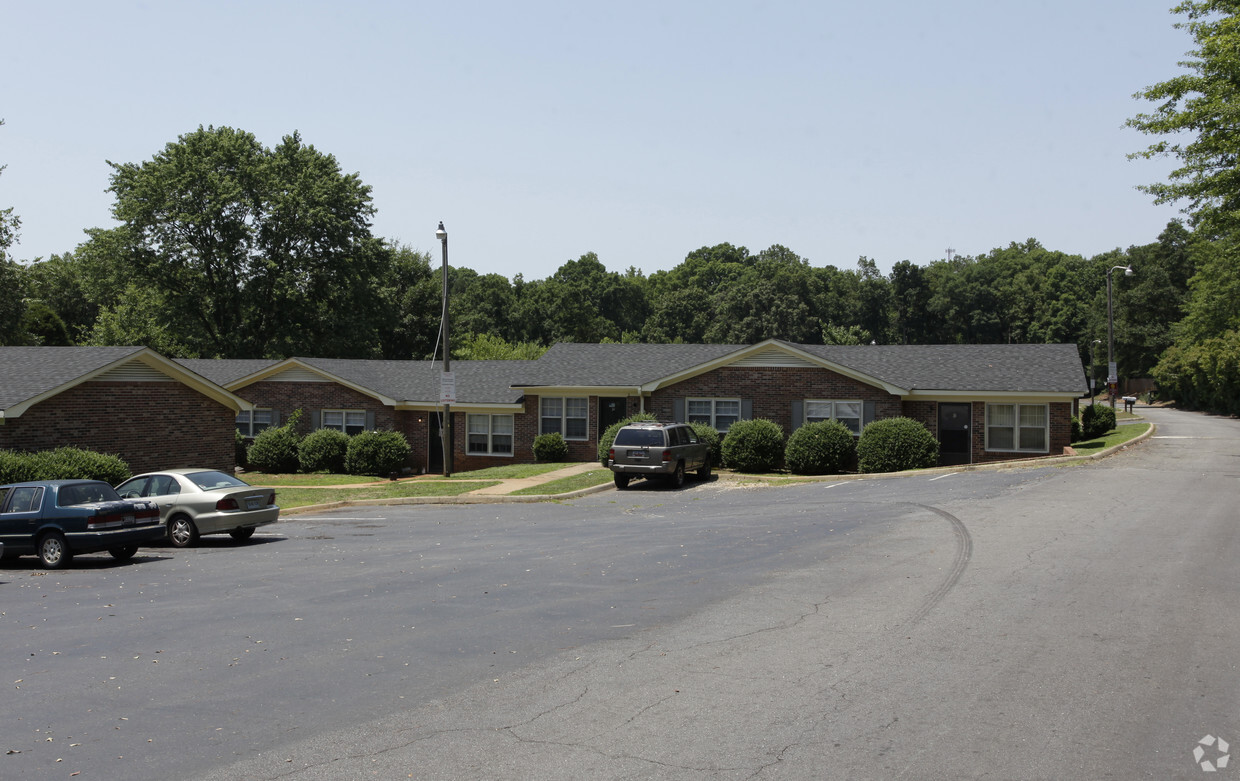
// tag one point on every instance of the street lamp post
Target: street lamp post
(446, 381)
(1112, 372)
(1093, 363)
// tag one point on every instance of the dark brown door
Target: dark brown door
(955, 442)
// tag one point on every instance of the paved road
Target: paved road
(1058, 623)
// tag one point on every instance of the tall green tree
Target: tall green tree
(1195, 113)
(255, 252)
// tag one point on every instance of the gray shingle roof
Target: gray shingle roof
(27, 372)
(618, 365)
(1045, 368)
(477, 382)
(1033, 368)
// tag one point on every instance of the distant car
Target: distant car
(58, 519)
(193, 502)
(652, 449)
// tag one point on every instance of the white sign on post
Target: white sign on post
(447, 388)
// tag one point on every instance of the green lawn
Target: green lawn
(1118, 436)
(291, 497)
(301, 490)
(565, 485)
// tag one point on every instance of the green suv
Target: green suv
(666, 450)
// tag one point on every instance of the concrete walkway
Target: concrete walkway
(518, 483)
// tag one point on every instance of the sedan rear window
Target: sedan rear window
(640, 437)
(211, 480)
(85, 493)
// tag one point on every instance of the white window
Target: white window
(719, 413)
(249, 423)
(490, 434)
(570, 418)
(350, 421)
(846, 412)
(1018, 427)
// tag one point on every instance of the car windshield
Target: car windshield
(85, 493)
(640, 437)
(209, 481)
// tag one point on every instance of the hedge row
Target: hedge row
(280, 450)
(64, 463)
(822, 448)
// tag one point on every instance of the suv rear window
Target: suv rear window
(640, 437)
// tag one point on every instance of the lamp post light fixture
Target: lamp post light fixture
(1112, 372)
(447, 384)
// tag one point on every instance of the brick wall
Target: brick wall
(285, 397)
(151, 425)
(772, 391)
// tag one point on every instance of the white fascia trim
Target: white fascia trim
(576, 390)
(997, 396)
(430, 406)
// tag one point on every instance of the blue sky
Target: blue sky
(539, 131)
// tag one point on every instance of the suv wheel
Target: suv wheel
(622, 481)
(678, 477)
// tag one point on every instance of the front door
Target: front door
(610, 411)
(955, 442)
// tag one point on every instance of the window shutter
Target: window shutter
(746, 409)
(678, 409)
(370, 420)
(868, 414)
(315, 418)
(798, 414)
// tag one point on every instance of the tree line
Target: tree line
(227, 248)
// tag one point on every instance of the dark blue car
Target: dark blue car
(58, 519)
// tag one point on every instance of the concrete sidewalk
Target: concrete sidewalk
(518, 483)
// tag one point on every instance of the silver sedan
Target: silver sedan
(193, 502)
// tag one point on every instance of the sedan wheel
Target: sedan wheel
(242, 534)
(182, 532)
(53, 552)
(123, 554)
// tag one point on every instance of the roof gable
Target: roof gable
(30, 375)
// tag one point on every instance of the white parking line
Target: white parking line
(940, 477)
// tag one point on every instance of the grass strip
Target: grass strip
(289, 498)
(568, 484)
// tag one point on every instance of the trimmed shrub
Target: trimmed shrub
(896, 444)
(1076, 429)
(275, 449)
(323, 451)
(824, 448)
(707, 433)
(550, 447)
(1096, 420)
(239, 448)
(753, 446)
(609, 436)
(16, 467)
(64, 463)
(379, 453)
